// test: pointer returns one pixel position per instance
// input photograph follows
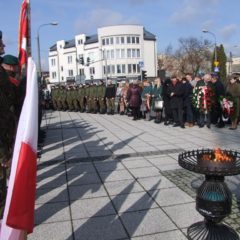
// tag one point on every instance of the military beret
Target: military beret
(10, 60)
(0, 34)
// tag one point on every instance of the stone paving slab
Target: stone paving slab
(107, 177)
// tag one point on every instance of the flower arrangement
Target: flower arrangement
(203, 98)
(228, 106)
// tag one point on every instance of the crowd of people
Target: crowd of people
(181, 102)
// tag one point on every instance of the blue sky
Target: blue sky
(168, 19)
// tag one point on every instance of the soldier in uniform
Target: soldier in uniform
(110, 97)
(91, 98)
(63, 98)
(75, 98)
(69, 98)
(7, 127)
(54, 97)
(81, 97)
(101, 90)
(87, 90)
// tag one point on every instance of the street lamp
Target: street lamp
(38, 44)
(215, 42)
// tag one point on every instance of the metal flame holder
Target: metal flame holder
(214, 199)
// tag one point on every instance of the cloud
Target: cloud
(228, 31)
(101, 17)
(191, 10)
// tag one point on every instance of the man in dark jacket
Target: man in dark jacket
(110, 97)
(166, 100)
(187, 101)
(216, 114)
(176, 93)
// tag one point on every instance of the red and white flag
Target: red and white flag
(24, 33)
(19, 209)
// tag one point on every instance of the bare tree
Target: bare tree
(191, 56)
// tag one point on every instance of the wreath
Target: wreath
(203, 98)
(229, 106)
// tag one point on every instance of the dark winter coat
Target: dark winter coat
(166, 97)
(134, 96)
(218, 89)
(110, 91)
(176, 100)
(188, 94)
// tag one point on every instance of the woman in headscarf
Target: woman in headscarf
(157, 96)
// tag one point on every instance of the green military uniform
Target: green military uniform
(101, 90)
(87, 91)
(81, 98)
(63, 99)
(54, 97)
(75, 99)
(7, 131)
(69, 98)
(91, 98)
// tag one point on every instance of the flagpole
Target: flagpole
(29, 45)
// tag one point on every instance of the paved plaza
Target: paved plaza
(104, 177)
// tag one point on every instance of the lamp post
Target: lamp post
(38, 45)
(215, 42)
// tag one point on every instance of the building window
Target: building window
(134, 53)
(138, 53)
(138, 68)
(134, 68)
(81, 71)
(122, 40)
(133, 39)
(53, 62)
(113, 69)
(118, 53)
(137, 40)
(62, 68)
(118, 68)
(70, 73)
(111, 40)
(92, 70)
(129, 55)
(108, 54)
(54, 75)
(129, 68)
(128, 39)
(112, 54)
(117, 40)
(104, 69)
(123, 68)
(69, 59)
(103, 42)
(108, 69)
(122, 53)
(107, 41)
(62, 78)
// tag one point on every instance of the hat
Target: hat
(0, 34)
(10, 60)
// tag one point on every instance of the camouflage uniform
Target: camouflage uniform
(75, 99)
(91, 98)
(81, 98)
(7, 131)
(63, 98)
(69, 98)
(87, 90)
(101, 89)
(54, 97)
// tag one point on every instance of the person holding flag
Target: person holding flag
(18, 217)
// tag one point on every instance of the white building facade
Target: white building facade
(115, 52)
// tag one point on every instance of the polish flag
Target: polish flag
(18, 218)
(24, 33)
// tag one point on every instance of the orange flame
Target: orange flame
(219, 156)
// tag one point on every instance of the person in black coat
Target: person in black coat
(166, 100)
(187, 101)
(216, 115)
(176, 94)
(134, 99)
(110, 97)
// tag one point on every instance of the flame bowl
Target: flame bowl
(195, 161)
